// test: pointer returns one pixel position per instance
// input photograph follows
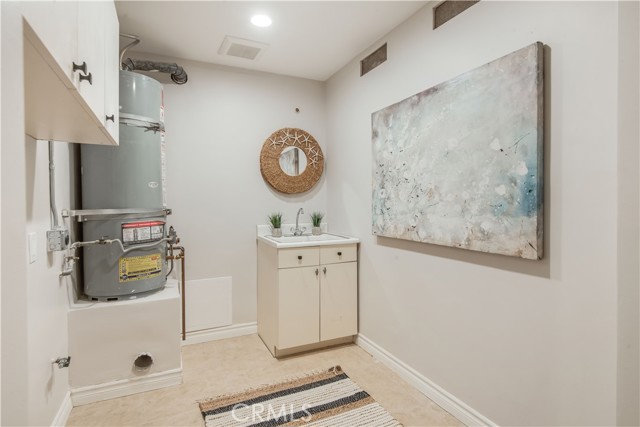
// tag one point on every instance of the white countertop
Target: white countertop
(263, 234)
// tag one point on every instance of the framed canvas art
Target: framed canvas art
(461, 164)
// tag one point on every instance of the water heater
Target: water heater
(123, 198)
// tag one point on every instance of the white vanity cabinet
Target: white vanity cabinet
(71, 71)
(307, 296)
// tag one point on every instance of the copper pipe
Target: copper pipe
(170, 257)
(181, 257)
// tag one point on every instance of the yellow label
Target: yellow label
(140, 267)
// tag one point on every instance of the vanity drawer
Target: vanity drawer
(336, 254)
(298, 257)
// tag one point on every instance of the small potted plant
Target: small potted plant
(276, 224)
(316, 220)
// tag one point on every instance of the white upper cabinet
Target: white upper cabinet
(111, 78)
(91, 51)
(74, 46)
(56, 23)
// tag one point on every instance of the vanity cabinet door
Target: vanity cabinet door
(298, 306)
(338, 300)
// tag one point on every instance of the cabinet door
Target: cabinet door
(298, 307)
(112, 72)
(338, 300)
(91, 45)
(56, 24)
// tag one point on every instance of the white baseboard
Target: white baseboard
(231, 331)
(111, 390)
(63, 412)
(444, 399)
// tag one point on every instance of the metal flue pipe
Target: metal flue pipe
(178, 74)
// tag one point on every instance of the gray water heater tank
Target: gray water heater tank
(124, 187)
(110, 274)
(132, 174)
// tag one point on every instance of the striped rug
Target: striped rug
(328, 398)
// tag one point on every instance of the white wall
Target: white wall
(628, 215)
(14, 249)
(46, 294)
(522, 342)
(216, 125)
(34, 302)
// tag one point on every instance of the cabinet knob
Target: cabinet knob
(316, 272)
(324, 270)
(82, 67)
(111, 117)
(339, 253)
(300, 257)
(87, 77)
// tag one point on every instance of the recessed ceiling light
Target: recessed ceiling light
(261, 20)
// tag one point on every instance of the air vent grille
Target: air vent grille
(373, 60)
(449, 9)
(241, 48)
(242, 51)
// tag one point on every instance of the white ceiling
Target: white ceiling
(309, 39)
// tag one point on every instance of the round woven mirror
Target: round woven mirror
(291, 161)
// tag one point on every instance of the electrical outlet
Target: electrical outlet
(57, 240)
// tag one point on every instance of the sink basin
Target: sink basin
(263, 235)
(290, 238)
(291, 241)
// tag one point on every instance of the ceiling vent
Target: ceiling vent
(241, 48)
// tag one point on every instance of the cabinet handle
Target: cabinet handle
(87, 77)
(300, 257)
(82, 67)
(324, 270)
(316, 272)
(339, 253)
(112, 118)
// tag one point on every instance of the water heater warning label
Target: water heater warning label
(140, 232)
(140, 267)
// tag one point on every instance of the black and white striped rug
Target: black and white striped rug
(328, 398)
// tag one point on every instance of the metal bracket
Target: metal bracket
(101, 214)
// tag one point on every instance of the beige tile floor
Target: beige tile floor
(235, 364)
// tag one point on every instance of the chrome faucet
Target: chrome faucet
(298, 231)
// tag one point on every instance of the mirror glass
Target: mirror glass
(293, 161)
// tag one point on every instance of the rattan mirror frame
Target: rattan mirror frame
(270, 160)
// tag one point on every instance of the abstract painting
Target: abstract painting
(461, 164)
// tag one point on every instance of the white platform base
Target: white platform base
(96, 393)
(231, 331)
(63, 413)
(444, 399)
